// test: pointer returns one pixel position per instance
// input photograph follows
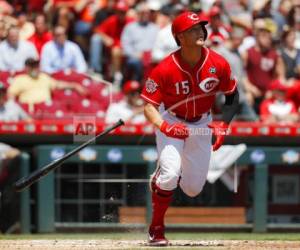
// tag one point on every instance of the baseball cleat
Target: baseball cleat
(157, 236)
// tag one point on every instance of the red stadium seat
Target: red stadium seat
(66, 96)
(72, 76)
(99, 93)
(28, 108)
(51, 110)
(5, 78)
(88, 107)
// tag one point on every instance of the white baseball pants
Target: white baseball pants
(186, 161)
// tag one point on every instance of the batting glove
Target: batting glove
(219, 129)
(176, 130)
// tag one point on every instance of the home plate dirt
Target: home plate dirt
(139, 244)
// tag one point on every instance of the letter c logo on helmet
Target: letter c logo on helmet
(193, 16)
(185, 21)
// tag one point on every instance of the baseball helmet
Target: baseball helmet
(185, 21)
(131, 86)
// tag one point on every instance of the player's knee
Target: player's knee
(168, 181)
(192, 190)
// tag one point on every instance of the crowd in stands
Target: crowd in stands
(57, 57)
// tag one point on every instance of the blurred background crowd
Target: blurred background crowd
(57, 57)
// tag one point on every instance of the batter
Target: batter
(179, 95)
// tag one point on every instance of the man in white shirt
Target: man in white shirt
(14, 51)
(62, 54)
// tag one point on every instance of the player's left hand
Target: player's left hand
(219, 129)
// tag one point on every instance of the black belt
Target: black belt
(194, 119)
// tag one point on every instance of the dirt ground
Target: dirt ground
(139, 244)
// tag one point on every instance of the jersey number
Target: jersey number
(182, 87)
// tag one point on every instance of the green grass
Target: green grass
(171, 236)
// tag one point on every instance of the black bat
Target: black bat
(39, 173)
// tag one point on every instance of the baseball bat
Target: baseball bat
(39, 173)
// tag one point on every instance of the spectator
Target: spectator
(239, 12)
(41, 35)
(14, 51)
(137, 40)
(35, 6)
(236, 38)
(86, 11)
(245, 112)
(290, 55)
(293, 93)
(216, 26)
(293, 19)
(5, 8)
(281, 13)
(165, 43)
(26, 28)
(108, 34)
(65, 17)
(62, 54)
(2, 31)
(262, 63)
(262, 9)
(10, 111)
(130, 109)
(278, 108)
(34, 87)
(104, 13)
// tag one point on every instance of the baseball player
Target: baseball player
(179, 94)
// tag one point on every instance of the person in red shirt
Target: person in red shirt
(293, 93)
(179, 95)
(278, 108)
(108, 34)
(41, 35)
(262, 62)
(217, 26)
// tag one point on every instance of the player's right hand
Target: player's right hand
(176, 130)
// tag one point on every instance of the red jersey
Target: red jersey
(113, 27)
(189, 92)
(293, 93)
(40, 40)
(261, 67)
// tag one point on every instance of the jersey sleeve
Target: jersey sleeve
(228, 83)
(152, 88)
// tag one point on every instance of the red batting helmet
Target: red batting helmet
(185, 21)
(131, 86)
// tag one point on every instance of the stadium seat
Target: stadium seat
(71, 76)
(99, 93)
(5, 78)
(68, 96)
(51, 110)
(88, 107)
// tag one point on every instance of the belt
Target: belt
(194, 119)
